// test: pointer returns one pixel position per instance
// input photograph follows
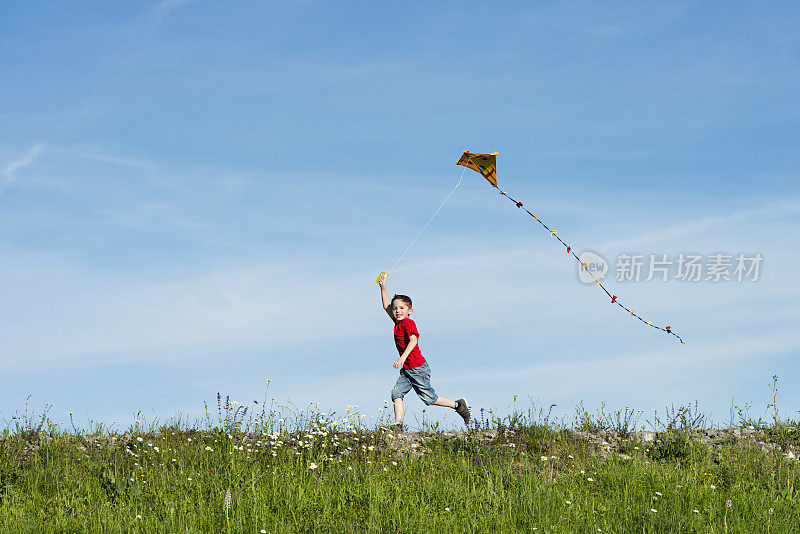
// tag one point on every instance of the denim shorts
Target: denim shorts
(418, 378)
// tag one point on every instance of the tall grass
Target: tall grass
(280, 469)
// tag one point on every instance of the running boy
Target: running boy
(414, 370)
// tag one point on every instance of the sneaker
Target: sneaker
(396, 428)
(464, 411)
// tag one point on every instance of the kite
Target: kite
(486, 165)
(482, 163)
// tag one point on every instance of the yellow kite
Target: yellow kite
(482, 163)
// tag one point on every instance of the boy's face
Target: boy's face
(400, 310)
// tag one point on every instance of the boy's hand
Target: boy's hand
(398, 363)
(386, 302)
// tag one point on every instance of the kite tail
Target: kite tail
(614, 298)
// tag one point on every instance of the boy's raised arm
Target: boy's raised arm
(385, 300)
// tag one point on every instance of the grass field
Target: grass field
(268, 470)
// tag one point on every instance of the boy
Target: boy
(414, 370)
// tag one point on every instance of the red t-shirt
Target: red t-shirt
(402, 331)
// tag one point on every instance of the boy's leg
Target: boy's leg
(447, 403)
(402, 387)
(420, 378)
(398, 411)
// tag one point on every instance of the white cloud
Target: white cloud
(10, 169)
(772, 209)
(103, 155)
(636, 370)
(63, 310)
(164, 8)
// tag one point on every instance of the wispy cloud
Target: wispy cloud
(772, 209)
(164, 8)
(632, 369)
(98, 154)
(10, 169)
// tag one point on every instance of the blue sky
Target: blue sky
(196, 197)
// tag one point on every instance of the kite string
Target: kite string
(427, 223)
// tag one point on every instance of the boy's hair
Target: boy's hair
(403, 298)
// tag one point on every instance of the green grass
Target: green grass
(325, 477)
